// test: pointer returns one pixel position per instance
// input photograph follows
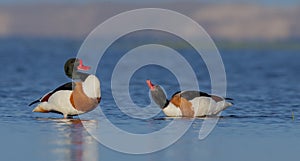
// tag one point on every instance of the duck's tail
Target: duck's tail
(34, 102)
(230, 103)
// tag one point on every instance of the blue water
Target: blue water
(260, 126)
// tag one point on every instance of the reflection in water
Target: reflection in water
(73, 141)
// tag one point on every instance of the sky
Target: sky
(264, 2)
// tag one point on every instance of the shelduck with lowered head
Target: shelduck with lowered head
(188, 103)
(72, 98)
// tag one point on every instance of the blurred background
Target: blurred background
(259, 42)
(229, 20)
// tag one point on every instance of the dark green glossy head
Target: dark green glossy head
(72, 66)
(69, 66)
(158, 95)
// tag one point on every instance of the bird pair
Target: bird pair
(83, 95)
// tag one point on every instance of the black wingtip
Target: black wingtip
(36, 101)
(229, 99)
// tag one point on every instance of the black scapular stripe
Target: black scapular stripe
(66, 86)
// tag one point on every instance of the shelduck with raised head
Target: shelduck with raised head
(72, 98)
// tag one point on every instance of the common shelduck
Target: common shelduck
(73, 98)
(188, 103)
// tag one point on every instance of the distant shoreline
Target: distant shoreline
(230, 22)
(220, 44)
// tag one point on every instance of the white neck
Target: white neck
(91, 87)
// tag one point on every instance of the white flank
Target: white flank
(60, 101)
(207, 106)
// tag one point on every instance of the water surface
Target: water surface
(260, 125)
